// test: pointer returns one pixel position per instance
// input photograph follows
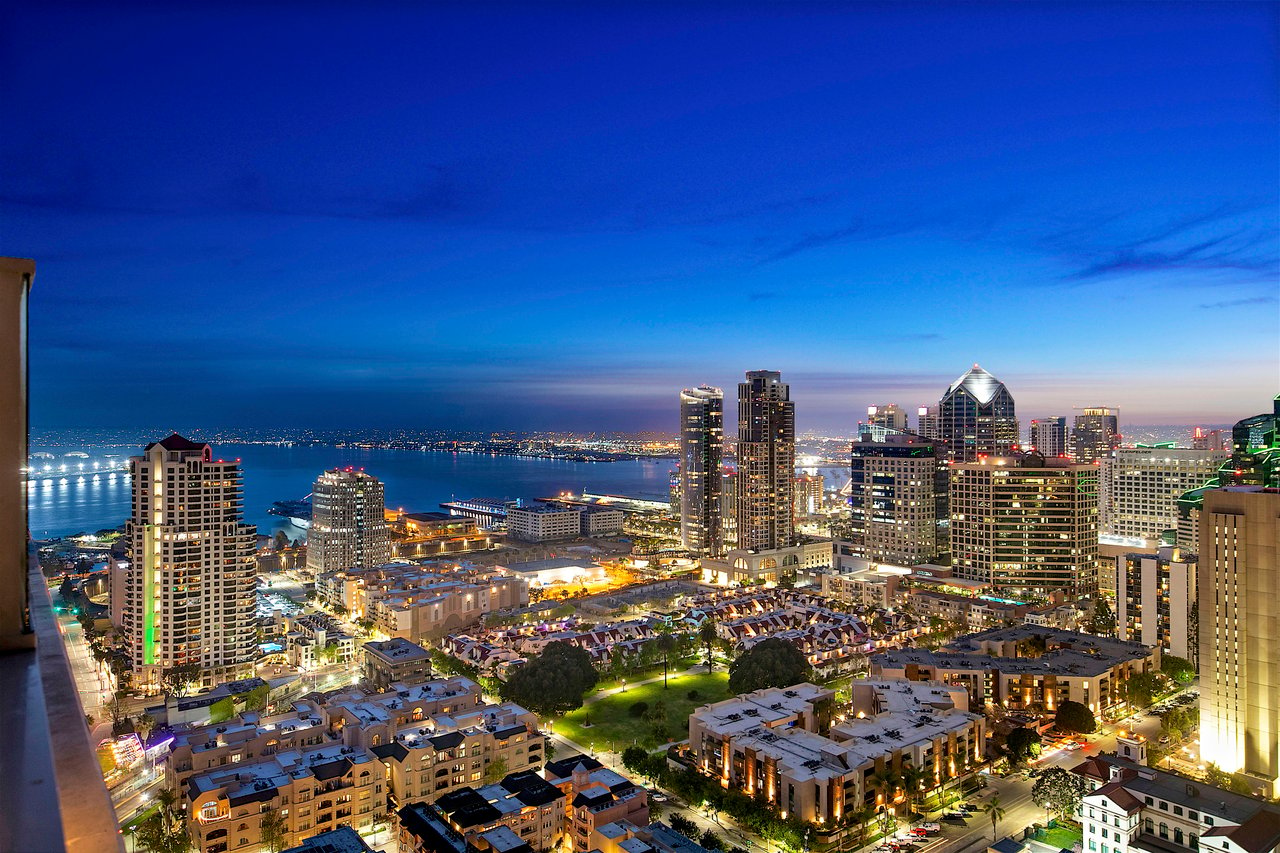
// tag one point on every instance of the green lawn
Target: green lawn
(612, 726)
(1060, 836)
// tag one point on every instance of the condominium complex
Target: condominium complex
(1238, 589)
(701, 465)
(595, 797)
(1049, 436)
(898, 500)
(785, 746)
(807, 494)
(396, 659)
(1156, 600)
(412, 602)
(1095, 433)
(1026, 525)
(1139, 487)
(766, 461)
(1027, 666)
(976, 417)
(1132, 808)
(348, 522)
(189, 584)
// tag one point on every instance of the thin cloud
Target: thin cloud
(1237, 303)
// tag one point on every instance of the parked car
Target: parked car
(954, 816)
(931, 827)
(968, 808)
(1164, 739)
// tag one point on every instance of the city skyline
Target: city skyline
(551, 219)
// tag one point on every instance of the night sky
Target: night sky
(546, 217)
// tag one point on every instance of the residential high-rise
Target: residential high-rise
(898, 500)
(1026, 525)
(1239, 586)
(889, 416)
(929, 425)
(766, 461)
(701, 458)
(348, 522)
(729, 508)
(1095, 433)
(1049, 436)
(189, 587)
(1155, 600)
(807, 495)
(976, 417)
(1139, 487)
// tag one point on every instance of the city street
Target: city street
(94, 685)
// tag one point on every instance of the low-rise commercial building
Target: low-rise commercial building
(541, 522)
(396, 659)
(784, 744)
(742, 566)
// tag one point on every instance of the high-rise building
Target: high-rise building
(1095, 433)
(898, 500)
(1239, 585)
(729, 508)
(348, 522)
(890, 416)
(1026, 525)
(1156, 599)
(807, 495)
(1212, 439)
(1049, 436)
(766, 461)
(976, 417)
(1139, 487)
(189, 587)
(1254, 461)
(701, 458)
(929, 426)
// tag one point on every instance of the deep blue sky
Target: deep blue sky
(556, 216)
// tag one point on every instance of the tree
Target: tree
(684, 826)
(1179, 669)
(178, 680)
(635, 759)
(1021, 743)
(165, 831)
(707, 635)
(770, 663)
(554, 681)
(1075, 717)
(1103, 620)
(666, 645)
(994, 811)
(496, 771)
(146, 724)
(710, 840)
(275, 830)
(885, 782)
(1060, 791)
(1141, 689)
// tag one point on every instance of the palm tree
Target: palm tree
(886, 782)
(666, 645)
(707, 634)
(997, 814)
(913, 779)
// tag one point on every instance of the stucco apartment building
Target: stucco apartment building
(526, 804)
(783, 744)
(595, 797)
(1027, 665)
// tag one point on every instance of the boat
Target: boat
(299, 512)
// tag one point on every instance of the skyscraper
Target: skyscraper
(1095, 433)
(898, 500)
(1049, 436)
(766, 461)
(1139, 487)
(1155, 597)
(929, 426)
(701, 457)
(1238, 587)
(1026, 525)
(189, 589)
(348, 522)
(1202, 439)
(890, 416)
(976, 417)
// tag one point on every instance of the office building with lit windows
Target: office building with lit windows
(1139, 487)
(1239, 587)
(1049, 436)
(701, 461)
(1026, 525)
(889, 416)
(976, 417)
(766, 461)
(898, 500)
(189, 594)
(348, 522)
(1095, 433)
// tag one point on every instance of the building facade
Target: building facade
(1139, 487)
(898, 500)
(1156, 600)
(1239, 586)
(190, 584)
(701, 464)
(389, 661)
(889, 417)
(348, 522)
(1026, 525)
(1095, 432)
(766, 461)
(1049, 436)
(976, 417)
